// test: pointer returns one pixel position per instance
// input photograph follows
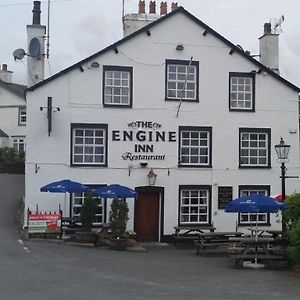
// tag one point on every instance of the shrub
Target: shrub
(118, 217)
(294, 237)
(88, 212)
(11, 161)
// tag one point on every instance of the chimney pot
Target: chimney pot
(174, 6)
(163, 8)
(267, 28)
(36, 17)
(141, 7)
(152, 7)
(4, 67)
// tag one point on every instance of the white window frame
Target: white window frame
(248, 218)
(241, 91)
(117, 86)
(182, 80)
(22, 115)
(194, 205)
(255, 148)
(19, 143)
(90, 147)
(195, 146)
(78, 201)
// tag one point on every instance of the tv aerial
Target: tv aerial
(277, 24)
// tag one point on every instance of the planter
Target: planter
(85, 237)
(119, 243)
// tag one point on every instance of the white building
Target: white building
(121, 115)
(12, 111)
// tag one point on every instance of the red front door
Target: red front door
(147, 216)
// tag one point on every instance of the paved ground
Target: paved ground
(40, 270)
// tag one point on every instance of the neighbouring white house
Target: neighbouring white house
(174, 98)
(12, 111)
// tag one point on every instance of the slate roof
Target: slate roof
(17, 89)
(3, 134)
(180, 9)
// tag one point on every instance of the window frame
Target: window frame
(199, 129)
(267, 193)
(209, 204)
(84, 126)
(103, 200)
(18, 138)
(183, 63)
(118, 69)
(20, 122)
(242, 75)
(266, 131)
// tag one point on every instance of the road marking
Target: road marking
(21, 242)
(25, 248)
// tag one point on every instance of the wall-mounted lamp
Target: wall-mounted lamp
(151, 177)
(179, 47)
(95, 64)
(231, 52)
(116, 50)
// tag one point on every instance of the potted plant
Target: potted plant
(87, 217)
(118, 218)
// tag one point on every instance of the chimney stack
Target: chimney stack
(36, 17)
(152, 7)
(174, 6)
(269, 49)
(5, 75)
(163, 8)
(141, 7)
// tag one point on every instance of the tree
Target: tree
(88, 212)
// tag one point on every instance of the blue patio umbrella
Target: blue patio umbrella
(115, 191)
(64, 186)
(254, 203)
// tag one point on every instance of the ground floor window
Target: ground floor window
(77, 201)
(260, 218)
(18, 143)
(194, 205)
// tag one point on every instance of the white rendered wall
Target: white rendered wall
(79, 96)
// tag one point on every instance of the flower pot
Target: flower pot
(119, 243)
(85, 237)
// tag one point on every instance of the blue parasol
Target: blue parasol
(254, 203)
(115, 191)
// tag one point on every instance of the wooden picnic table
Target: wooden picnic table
(214, 239)
(190, 232)
(261, 231)
(252, 248)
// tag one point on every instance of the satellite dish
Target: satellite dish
(19, 54)
(34, 48)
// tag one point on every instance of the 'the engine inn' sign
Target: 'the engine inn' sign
(144, 134)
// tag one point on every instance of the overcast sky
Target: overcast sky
(79, 28)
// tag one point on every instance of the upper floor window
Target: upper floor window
(117, 86)
(195, 205)
(89, 145)
(255, 148)
(18, 143)
(248, 218)
(22, 116)
(195, 146)
(182, 80)
(241, 91)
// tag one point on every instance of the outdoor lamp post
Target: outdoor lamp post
(282, 151)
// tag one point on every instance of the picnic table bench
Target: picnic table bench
(185, 233)
(256, 249)
(214, 239)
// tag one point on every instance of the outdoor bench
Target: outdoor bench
(214, 239)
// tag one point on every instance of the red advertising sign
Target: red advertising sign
(44, 223)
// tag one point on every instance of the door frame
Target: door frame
(160, 191)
